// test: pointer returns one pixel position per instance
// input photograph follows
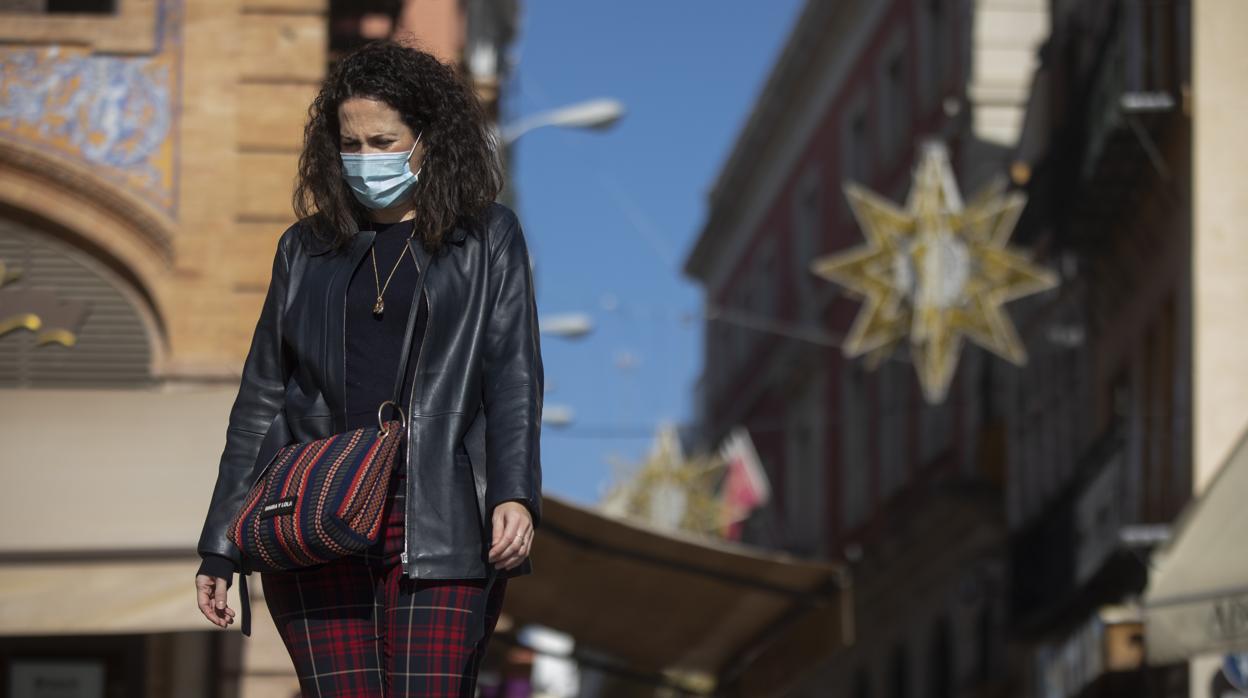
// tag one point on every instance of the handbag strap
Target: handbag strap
(406, 351)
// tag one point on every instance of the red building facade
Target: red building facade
(996, 539)
(856, 90)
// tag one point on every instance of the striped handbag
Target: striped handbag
(319, 500)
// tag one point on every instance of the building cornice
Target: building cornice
(825, 40)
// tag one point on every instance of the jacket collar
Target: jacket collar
(355, 251)
(317, 247)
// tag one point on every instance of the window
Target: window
(985, 643)
(855, 148)
(807, 240)
(899, 673)
(975, 401)
(804, 466)
(724, 346)
(353, 22)
(1152, 43)
(936, 41)
(894, 100)
(862, 684)
(763, 278)
(936, 425)
(1018, 482)
(95, 26)
(860, 158)
(929, 40)
(93, 7)
(940, 679)
(81, 6)
(716, 353)
(741, 335)
(751, 298)
(855, 459)
(893, 405)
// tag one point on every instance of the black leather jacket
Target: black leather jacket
(476, 396)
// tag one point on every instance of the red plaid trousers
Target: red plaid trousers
(356, 627)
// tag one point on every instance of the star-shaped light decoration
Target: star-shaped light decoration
(936, 271)
(668, 490)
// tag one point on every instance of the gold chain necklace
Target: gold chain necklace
(380, 306)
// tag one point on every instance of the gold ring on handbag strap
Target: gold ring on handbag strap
(381, 426)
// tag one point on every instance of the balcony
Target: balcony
(1135, 91)
(1084, 551)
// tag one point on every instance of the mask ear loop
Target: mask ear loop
(413, 150)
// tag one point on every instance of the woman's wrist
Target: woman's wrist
(528, 506)
(217, 566)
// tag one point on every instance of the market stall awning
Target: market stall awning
(57, 597)
(99, 536)
(1197, 599)
(104, 495)
(108, 469)
(660, 601)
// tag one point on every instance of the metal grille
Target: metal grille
(112, 349)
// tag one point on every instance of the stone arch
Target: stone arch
(76, 198)
(125, 237)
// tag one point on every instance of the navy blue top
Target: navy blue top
(373, 343)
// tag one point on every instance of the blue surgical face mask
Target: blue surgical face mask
(380, 179)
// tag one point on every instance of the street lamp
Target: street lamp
(568, 325)
(597, 114)
(557, 416)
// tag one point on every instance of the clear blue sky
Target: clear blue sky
(610, 216)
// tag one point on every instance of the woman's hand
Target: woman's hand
(513, 535)
(212, 592)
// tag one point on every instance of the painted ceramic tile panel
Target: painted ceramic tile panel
(115, 114)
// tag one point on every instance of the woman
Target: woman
(398, 175)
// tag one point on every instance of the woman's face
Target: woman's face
(371, 126)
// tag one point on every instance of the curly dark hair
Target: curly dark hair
(461, 172)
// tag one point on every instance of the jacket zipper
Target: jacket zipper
(411, 399)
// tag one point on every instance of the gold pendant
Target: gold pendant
(379, 307)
